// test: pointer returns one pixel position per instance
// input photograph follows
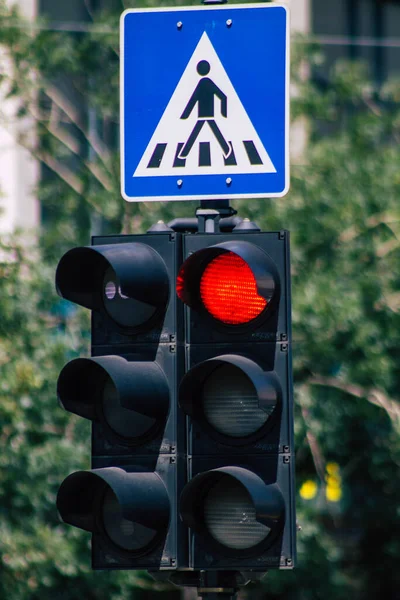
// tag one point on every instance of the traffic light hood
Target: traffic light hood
(266, 498)
(134, 270)
(264, 384)
(260, 267)
(142, 498)
(86, 386)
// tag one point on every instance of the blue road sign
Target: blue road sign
(205, 102)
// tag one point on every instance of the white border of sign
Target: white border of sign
(122, 114)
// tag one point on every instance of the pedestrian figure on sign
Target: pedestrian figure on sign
(203, 96)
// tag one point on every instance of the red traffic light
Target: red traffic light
(234, 282)
(228, 290)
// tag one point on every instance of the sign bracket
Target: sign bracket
(210, 212)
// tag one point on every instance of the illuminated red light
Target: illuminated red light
(180, 284)
(228, 290)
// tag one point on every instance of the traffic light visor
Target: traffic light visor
(233, 508)
(234, 282)
(128, 282)
(131, 399)
(232, 397)
(130, 510)
(123, 532)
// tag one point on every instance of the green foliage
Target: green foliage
(40, 443)
(345, 223)
(343, 214)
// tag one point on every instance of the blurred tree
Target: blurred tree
(67, 81)
(344, 218)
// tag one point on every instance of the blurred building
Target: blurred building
(353, 29)
(360, 29)
(19, 173)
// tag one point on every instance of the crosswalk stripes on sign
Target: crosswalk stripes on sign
(204, 155)
(205, 128)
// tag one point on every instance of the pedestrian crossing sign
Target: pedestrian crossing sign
(204, 102)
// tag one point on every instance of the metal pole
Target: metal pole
(218, 585)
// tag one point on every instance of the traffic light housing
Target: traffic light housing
(238, 502)
(127, 389)
(189, 392)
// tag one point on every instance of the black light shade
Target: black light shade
(233, 508)
(101, 389)
(232, 394)
(125, 533)
(128, 282)
(129, 509)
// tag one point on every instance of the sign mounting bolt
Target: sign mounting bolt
(229, 23)
(228, 180)
(179, 183)
(179, 24)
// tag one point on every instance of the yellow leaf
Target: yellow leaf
(308, 490)
(332, 468)
(333, 494)
(333, 482)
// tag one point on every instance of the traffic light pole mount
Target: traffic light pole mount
(211, 585)
(209, 214)
(212, 216)
(218, 585)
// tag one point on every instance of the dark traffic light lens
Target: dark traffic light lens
(125, 422)
(129, 511)
(231, 403)
(128, 312)
(228, 290)
(130, 399)
(230, 516)
(124, 533)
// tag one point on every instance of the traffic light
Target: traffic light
(128, 390)
(189, 391)
(239, 501)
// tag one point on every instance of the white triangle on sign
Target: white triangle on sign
(207, 155)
